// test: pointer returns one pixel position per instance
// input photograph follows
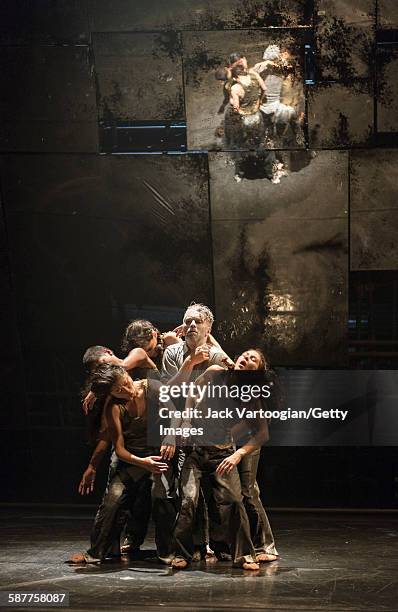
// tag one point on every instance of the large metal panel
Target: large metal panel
(96, 241)
(374, 210)
(280, 259)
(44, 21)
(387, 88)
(211, 124)
(344, 35)
(387, 14)
(139, 76)
(125, 15)
(340, 115)
(12, 374)
(49, 102)
(351, 12)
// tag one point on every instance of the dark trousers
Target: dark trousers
(134, 519)
(126, 485)
(201, 524)
(226, 492)
(260, 529)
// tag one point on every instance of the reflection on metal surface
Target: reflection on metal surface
(281, 258)
(245, 91)
(374, 220)
(282, 330)
(283, 302)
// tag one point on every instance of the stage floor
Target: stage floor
(328, 562)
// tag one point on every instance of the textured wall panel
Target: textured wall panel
(387, 14)
(44, 21)
(374, 210)
(125, 15)
(340, 116)
(94, 239)
(387, 89)
(351, 12)
(281, 264)
(49, 103)
(139, 76)
(344, 49)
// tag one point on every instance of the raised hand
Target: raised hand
(202, 353)
(167, 451)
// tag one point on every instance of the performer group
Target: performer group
(263, 102)
(201, 492)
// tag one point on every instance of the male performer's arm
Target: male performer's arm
(261, 66)
(260, 81)
(152, 464)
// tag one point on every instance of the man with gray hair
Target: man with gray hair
(184, 362)
(279, 74)
(199, 349)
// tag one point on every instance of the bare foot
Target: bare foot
(166, 560)
(179, 563)
(266, 558)
(209, 552)
(129, 549)
(211, 560)
(77, 558)
(251, 566)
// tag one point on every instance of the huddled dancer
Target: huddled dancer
(262, 104)
(201, 492)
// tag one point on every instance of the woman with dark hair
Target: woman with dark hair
(246, 457)
(140, 341)
(143, 345)
(260, 529)
(142, 335)
(132, 407)
(243, 120)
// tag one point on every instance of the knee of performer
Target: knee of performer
(248, 492)
(187, 504)
(236, 498)
(114, 494)
(233, 499)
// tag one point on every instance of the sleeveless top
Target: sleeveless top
(250, 102)
(135, 429)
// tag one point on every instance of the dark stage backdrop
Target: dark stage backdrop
(293, 244)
